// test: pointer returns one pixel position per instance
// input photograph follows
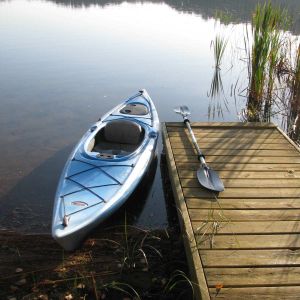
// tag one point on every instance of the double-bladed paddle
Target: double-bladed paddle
(207, 177)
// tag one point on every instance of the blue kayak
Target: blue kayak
(104, 169)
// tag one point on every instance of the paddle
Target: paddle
(207, 177)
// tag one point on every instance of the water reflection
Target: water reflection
(28, 205)
(240, 11)
(62, 68)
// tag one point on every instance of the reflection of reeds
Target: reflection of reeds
(266, 24)
(216, 88)
(219, 48)
(294, 105)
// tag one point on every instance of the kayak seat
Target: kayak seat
(119, 137)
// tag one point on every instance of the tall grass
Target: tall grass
(264, 56)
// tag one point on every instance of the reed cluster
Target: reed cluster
(263, 47)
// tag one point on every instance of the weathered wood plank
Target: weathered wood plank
(230, 140)
(257, 293)
(193, 257)
(234, 146)
(236, 277)
(253, 192)
(241, 174)
(251, 241)
(248, 258)
(221, 130)
(241, 160)
(250, 227)
(254, 125)
(246, 182)
(241, 203)
(237, 152)
(240, 167)
(245, 214)
(228, 134)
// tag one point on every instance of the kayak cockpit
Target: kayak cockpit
(118, 137)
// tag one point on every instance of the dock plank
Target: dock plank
(246, 214)
(237, 152)
(225, 125)
(280, 192)
(248, 241)
(250, 258)
(254, 293)
(230, 140)
(241, 160)
(227, 134)
(179, 144)
(241, 167)
(248, 182)
(240, 174)
(251, 227)
(237, 277)
(242, 203)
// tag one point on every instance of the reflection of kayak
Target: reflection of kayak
(104, 169)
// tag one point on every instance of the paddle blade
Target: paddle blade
(210, 179)
(182, 110)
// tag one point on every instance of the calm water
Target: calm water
(63, 64)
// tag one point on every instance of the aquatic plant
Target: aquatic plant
(263, 51)
(179, 279)
(209, 228)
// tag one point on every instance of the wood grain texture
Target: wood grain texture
(243, 203)
(241, 160)
(231, 140)
(226, 125)
(232, 215)
(251, 192)
(240, 174)
(249, 258)
(248, 182)
(248, 241)
(256, 293)
(235, 277)
(251, 227)
(222, 166)
(237, 152)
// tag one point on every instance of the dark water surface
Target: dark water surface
(63, 64)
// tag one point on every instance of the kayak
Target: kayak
(104, 169)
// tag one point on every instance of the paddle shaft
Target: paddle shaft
(200, 154)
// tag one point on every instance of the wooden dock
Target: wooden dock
(245, 242)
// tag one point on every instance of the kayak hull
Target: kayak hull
(94, 185)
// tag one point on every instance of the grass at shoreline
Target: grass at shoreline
(35, 267)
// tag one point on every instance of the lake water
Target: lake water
(63, 64)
